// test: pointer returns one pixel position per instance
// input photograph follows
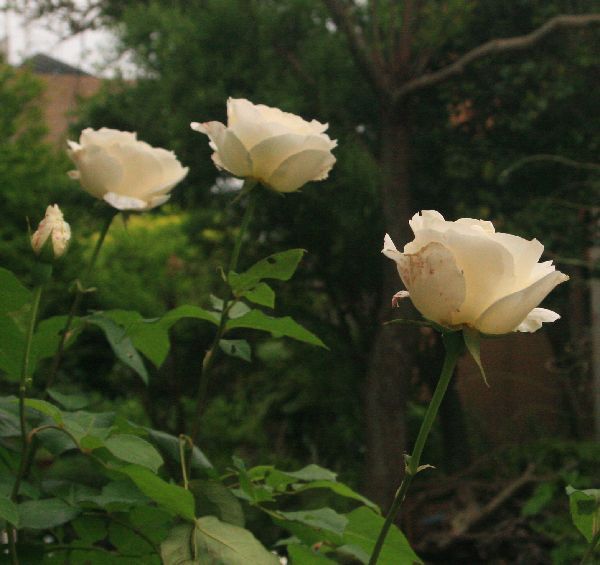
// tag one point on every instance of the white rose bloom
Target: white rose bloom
(128, 174)
(464, 273)
(278, 149)
(53, 226)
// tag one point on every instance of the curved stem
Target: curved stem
(211, 354)
(454, 345)
(79, 292)
(590, 550)
(25, 376)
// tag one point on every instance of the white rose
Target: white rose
(464, 273)
(128, 174)
(53, 226)
(278, 149)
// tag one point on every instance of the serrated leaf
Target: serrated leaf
(172, 498)
(13, 294)
(218, 542)
(261, 294)
(280, 266)
(257, 320)
(362, 531)
(9, 510)
(134, 449)
(239, 348)
(121, 344)
(473, 342)
(238, 310)
(45, 514)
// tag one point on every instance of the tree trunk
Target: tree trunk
(392, 355)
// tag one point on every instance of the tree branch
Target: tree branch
(493, 46)
(358, 47)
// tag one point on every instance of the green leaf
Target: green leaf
(326, 522)
(118, 495)
(13, 294)
(218, 542)
(9, 510)
(90, 529)
(214, 498)
(49, 333)
(312, 472)
(338, 488)
(176, 549)
(261, 294)
(46, 408)
(168, 445)
(541, 497)
(134, 449)
(12, 347)
(362, 531)
(151, 337)
(473, 342)
(172, 498)
(45, 514)
(280, 266)
(257, 320)
(585, 510)
(303, 555)
(239, 348)
(69, 401)
(121, 344)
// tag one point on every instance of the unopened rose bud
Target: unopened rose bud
(52, 227)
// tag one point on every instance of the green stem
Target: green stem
(454, 346)
(590, 550)
(209, 358)
(79, 292)
(25, 376)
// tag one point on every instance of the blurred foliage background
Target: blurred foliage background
(472, 140)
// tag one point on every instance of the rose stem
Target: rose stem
(79, 292)
(209, 358)
(453, 343)
(37, 295)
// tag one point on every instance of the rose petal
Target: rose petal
(297, 170)
(270, 153)
(436, 284)
(99, 171)
(229, 149)
(487, 267)
(504, 315)
(121, 202)
(142, 169)
(106, 136)
(535, 318)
